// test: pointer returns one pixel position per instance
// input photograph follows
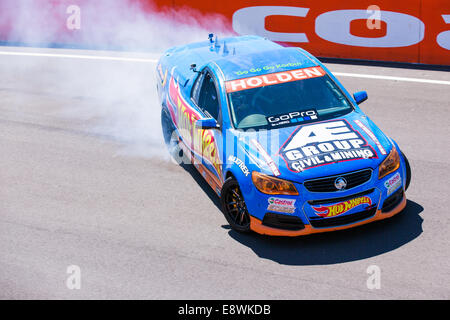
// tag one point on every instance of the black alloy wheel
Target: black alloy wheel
(233, 206)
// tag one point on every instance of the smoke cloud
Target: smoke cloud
(112, 98)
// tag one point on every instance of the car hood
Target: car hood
(316, 149)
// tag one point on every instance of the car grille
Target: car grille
(343, 220)
(326, 184)
(332, 200)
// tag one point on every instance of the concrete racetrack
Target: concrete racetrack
(85, 180)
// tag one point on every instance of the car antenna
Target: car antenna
(216, 43)
(194, 68)
(211, 41)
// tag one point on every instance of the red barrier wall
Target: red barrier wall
(414, 31)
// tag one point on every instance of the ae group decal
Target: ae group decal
(324, 143)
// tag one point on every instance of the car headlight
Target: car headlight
(272, 185)
(390, 164)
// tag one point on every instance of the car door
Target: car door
(208, 141)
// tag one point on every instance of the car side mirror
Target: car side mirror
(360, 96)
(208, 123)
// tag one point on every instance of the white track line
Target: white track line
(110, 58)
(373, 76)
(75, 56)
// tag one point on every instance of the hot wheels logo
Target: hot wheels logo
(341, 207)
(200, 140)
(324, 143)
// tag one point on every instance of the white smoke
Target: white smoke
(116, 99)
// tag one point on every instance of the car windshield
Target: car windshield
(287, 104)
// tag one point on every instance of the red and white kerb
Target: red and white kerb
(274, 78)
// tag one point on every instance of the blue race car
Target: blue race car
(278, 138)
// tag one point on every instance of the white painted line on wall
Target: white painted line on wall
(75, 56)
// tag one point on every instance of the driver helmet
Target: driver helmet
(238, 99)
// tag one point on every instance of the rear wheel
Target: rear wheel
(234, 207)
(170, 137)
(408, 172)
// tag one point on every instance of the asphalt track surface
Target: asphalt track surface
(85, 181)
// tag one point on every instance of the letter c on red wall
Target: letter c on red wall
(251, 20)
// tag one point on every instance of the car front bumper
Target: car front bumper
(258, 226)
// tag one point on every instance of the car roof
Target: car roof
(245, 56)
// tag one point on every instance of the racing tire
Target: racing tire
(408, 172)
(170, 139)
(234, 207)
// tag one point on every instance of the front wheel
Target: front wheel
(408, 172)
(233, 206)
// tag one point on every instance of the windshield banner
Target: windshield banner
(274, 78)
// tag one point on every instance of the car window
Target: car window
(196, 88)
(208, 98)
(287, 104)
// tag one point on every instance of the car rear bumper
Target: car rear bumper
(257, 225)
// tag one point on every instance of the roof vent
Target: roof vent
(216, 43)
(225, 49)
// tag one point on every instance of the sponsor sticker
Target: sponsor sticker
(371, 135)
(273, 78)
(269, 161)
(281, 205)
(294, 117)
(240, 164)
(341, 207)
(324, 143)
(393, 183)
